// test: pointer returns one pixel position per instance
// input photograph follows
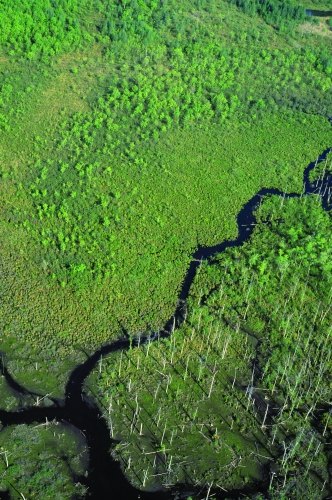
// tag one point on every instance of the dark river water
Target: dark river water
(318, 13)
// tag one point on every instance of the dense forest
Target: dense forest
(132, 133)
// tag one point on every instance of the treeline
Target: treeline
(43, 28)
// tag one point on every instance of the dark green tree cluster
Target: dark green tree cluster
(276, 12)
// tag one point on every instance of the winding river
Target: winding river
(105, 478)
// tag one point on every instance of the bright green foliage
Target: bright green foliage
(82, 204)
(35, 28)
(116, 251)
(210, 109)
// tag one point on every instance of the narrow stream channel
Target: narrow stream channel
(105, 478)
(318, 13)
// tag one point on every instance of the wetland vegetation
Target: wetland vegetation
(132, 133)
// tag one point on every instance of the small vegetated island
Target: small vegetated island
(165, 249)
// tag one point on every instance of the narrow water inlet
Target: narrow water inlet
(318, 13)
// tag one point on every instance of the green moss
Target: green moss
(41, 461)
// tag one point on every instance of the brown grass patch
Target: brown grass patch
(320, 29)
